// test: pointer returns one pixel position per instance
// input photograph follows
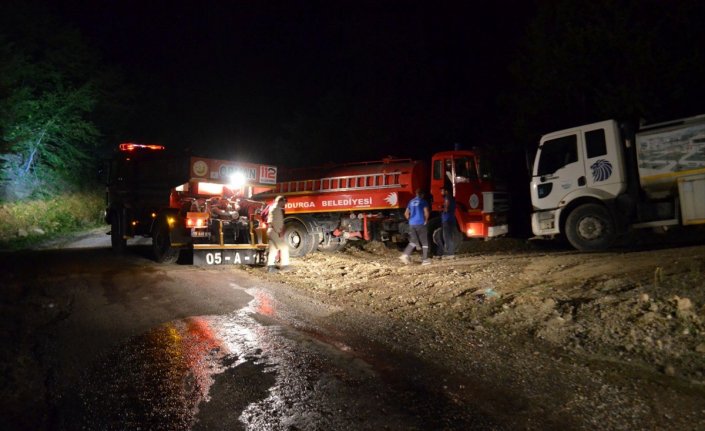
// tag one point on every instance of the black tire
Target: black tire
(299, 240)
(590, 227)
(438, 240)
(375, 231)
(333, 245)
(117, 239)
(161, 243)
(434, 226)
(437, 236)
(376, 235)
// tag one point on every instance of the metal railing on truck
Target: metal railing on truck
(343, 183)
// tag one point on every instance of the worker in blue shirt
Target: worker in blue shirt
(417, 212)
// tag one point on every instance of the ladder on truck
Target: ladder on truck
(381, 180)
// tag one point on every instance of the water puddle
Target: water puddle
(244, 370)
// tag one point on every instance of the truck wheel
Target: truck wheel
(590, 228)
(161, 243)
(434, 233)
(117, 239)
(298, 239)
(437, 241)
(333, 245)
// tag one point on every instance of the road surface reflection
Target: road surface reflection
(244, 370)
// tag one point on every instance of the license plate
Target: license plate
(226, 257)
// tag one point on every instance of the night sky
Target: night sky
(299, 83)
(339, 81)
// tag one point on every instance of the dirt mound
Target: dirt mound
(640, 307)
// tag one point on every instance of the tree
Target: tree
(49, 81)
(625, 59)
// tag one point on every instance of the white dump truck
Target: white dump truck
(595, 182)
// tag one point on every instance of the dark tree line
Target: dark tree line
(478, 80)
(53, 91)
(625, 59)
(353, 83)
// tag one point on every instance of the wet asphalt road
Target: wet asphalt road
(141, 346)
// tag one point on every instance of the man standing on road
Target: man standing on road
(447, 246)
(417, 212)
(275, 235)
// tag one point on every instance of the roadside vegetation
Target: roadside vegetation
(28, 222)
(60, 109)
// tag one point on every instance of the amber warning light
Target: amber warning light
(130, 146)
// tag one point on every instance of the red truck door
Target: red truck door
(457, 171)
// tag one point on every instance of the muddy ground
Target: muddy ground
(522, 329)
(623, 330)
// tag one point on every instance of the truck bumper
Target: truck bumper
(497, 230)
(546, 222)
(482, 225)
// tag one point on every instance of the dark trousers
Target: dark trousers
(448, 245)
(418, 236)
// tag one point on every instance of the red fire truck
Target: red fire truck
(187, 203)
(328, 206)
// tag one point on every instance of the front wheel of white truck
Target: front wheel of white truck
(590, 227)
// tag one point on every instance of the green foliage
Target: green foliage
(33, 220)
(49, 85)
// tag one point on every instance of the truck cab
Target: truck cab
(185, 202)
(585, 161)
(594, 182)
(481, 203)
(574, 168)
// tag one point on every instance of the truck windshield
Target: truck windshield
(557, 153)
(465, 169)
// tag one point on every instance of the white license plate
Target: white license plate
(227, 257)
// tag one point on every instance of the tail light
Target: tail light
(196, 220)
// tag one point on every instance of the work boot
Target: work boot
(272, 269)
(405, 259)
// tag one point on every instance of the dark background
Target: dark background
(308, 82)
(303, 83)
